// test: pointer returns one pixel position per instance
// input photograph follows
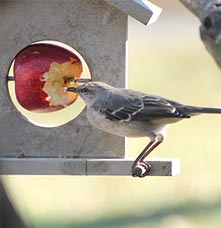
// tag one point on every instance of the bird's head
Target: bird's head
(90, 91)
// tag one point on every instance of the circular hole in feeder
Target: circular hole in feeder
(37, 77)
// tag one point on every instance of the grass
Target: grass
(182, 215)
(179, 69)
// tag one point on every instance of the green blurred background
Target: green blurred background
(167, 59)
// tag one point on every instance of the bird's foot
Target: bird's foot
(141, 169)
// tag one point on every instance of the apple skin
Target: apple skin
(29, 66)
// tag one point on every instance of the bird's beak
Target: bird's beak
(79, 80)
(72, 89)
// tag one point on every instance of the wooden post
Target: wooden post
(8, 216)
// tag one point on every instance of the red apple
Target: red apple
(41, 71)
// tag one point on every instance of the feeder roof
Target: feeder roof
(142, 10)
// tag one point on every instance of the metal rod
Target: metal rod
(83, 80)
(10, 78)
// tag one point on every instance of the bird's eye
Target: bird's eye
(84, 91)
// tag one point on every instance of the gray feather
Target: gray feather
(126, 105)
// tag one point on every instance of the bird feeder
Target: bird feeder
(43, 134)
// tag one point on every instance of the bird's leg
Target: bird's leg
(141, 168)
(138, 167)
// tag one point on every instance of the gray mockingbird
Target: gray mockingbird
(130, 113)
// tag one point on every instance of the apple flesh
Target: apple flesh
(41, 71)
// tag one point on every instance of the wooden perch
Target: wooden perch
(209, 13)
(68, 166)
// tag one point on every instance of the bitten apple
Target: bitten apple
(41, 71)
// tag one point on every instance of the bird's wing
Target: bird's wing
(144, 108)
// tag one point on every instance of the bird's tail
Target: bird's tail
(193, 110)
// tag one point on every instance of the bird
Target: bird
(129, 113)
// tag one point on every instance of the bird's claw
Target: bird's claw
(141, 169)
